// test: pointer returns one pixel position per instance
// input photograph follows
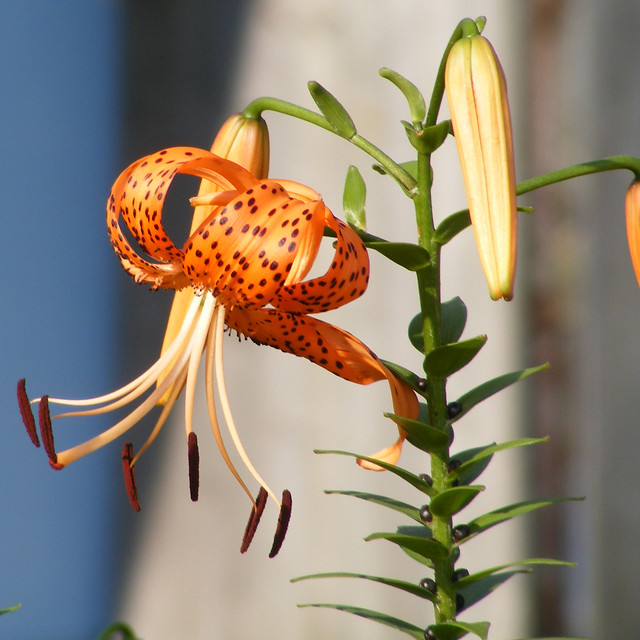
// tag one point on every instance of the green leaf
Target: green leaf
(409, 587)
(415, 333)
(390, 503)
(376, 616)
(425, 549)
(407, 476)
(410, 256)
(491, 387)
(420, 434)
(445, 360)
(413, 96)
(475, 461)
(411, 379)
(488, 520)
(455, 630)
(333, 111)
(451, 226)
(411, 167)
(529, 562)
(15, 607)
(453, 500)
(353, 200)
(482, 588)
(454, 319)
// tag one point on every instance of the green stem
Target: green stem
(458, 221)
(256, 107)
(611, 163)
(431, 308)
(438, 87)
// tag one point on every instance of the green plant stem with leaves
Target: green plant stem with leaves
(436, 332)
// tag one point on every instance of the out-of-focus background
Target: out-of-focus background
(87, 88)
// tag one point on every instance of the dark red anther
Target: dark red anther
(194, 465)
(283, 523)
(129, 475)
(46, 432)
(26, 413)
(254, 519)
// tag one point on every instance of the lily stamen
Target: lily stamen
(226, 407)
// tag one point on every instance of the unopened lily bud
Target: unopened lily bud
(244, 141)
(477, 96)
(632, 214)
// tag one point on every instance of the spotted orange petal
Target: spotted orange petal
(245, 252)
(138, 196)
(345, 280)
(325, 345)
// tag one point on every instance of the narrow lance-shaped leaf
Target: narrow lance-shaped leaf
(396, 505)
(446, 360)
(407, 476)
(424, 547)
(353, 200)
(410, 256)
(420, 434)
(451, 501)
(455, 630)
(411, 379)
(491, 387)
(474, 461)
(529, 562)
(482, 588)
(15, 607)
(375, 616)
(488, 520)
(408, 587)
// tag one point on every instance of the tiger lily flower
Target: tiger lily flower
(477, 95)
(632, 215)
(244, 267)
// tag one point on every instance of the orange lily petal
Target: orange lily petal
(632, 215)
(345, 280)
(244, 252)
(138, 196)
(331, 348)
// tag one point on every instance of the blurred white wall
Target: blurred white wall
(187, 578)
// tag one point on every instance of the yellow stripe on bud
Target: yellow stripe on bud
(244, 141)
(477, 95)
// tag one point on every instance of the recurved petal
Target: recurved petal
(325, 345)
(244, 252)
(345, 280)
(138, 196)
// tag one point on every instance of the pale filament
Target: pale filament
(211, 402)
(226, 407)
(140, 411)
(138, 386)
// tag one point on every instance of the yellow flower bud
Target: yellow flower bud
(632, 214)
(477, 95)
(244, 141)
